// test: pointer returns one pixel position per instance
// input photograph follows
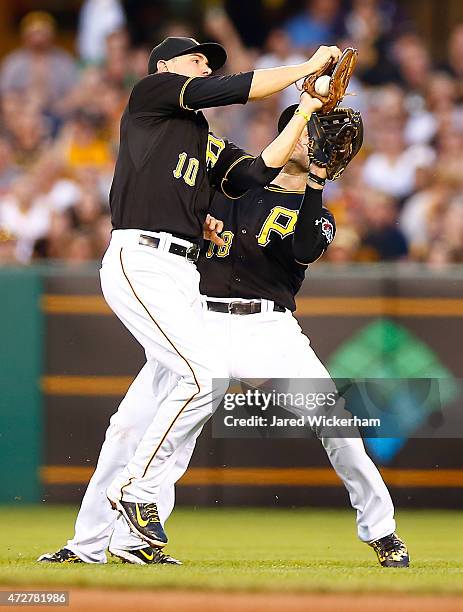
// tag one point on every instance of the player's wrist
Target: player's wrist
(302, 112)
(317, 177)
(317, 170)
(314, 184)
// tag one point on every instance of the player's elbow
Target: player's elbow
(305, 255)
(261, 172)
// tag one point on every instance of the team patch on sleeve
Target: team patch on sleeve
(327, 228)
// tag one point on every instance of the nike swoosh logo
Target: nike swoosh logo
(149, 557)
(140, 521)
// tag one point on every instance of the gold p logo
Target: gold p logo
(280, 220)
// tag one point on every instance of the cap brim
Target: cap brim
(215, 53)
(285, 117)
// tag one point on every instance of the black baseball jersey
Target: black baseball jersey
(258, 259)
(161, 181)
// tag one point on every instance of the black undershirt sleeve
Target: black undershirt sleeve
(247, 174)
(315, 228)
(236, 171)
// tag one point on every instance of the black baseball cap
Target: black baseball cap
(174, 46)
(286, 117)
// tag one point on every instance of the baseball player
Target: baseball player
(159, 199)
(272, 236)
(147, 274)
(249, 285)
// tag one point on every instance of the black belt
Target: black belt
(240, 308)
(191, 253)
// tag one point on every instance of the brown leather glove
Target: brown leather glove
(340, 73)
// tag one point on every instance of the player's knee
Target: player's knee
(211, 374)
(214, 385)
(123, 432)
(208, 388)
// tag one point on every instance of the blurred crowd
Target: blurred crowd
(400, 200)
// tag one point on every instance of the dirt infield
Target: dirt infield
(168, 601)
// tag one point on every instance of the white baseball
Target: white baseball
(322, 85)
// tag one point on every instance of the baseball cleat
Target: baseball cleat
(144, 556)
(391, 551)
(61, 556)
(143, 520)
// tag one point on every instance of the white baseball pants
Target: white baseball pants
(156, 295)
(264, 345)
(96, 519)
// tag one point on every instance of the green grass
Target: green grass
(260, 550)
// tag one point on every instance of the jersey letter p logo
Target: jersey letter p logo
(280, 220)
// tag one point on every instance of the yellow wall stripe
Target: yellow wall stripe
(380, 306)
(86, 385)
(306, 306)
(283, 477)
(75, 304)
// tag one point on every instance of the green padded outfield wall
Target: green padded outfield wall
(21, 419)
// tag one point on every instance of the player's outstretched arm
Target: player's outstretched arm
(278, 152)
(165, 92)
(268, 81)
(236, 171)
(315, 227)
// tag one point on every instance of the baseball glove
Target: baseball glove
(335, 139)
(340, 73)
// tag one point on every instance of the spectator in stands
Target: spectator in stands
(24, 217)
(414, 63)
(79, 248)
(54, 186)
(345, 248)
(280, 52)
(97, 20)
(440, 106)
(391, 168)
(86, 145)
(317, 25)
(420, 211)
(102, 234)
(454, 64)
(116, 68)
(399, 199)
(8, 248)
(440, 255)
(54, 245)
(28, 135)
(139, 63)
(38, 67)
(450, 160)
(382, 240)
(369, 27)
(451, 228)
(8, 170)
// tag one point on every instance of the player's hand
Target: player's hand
(211, 228)
(323, 57)
(308, 104)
